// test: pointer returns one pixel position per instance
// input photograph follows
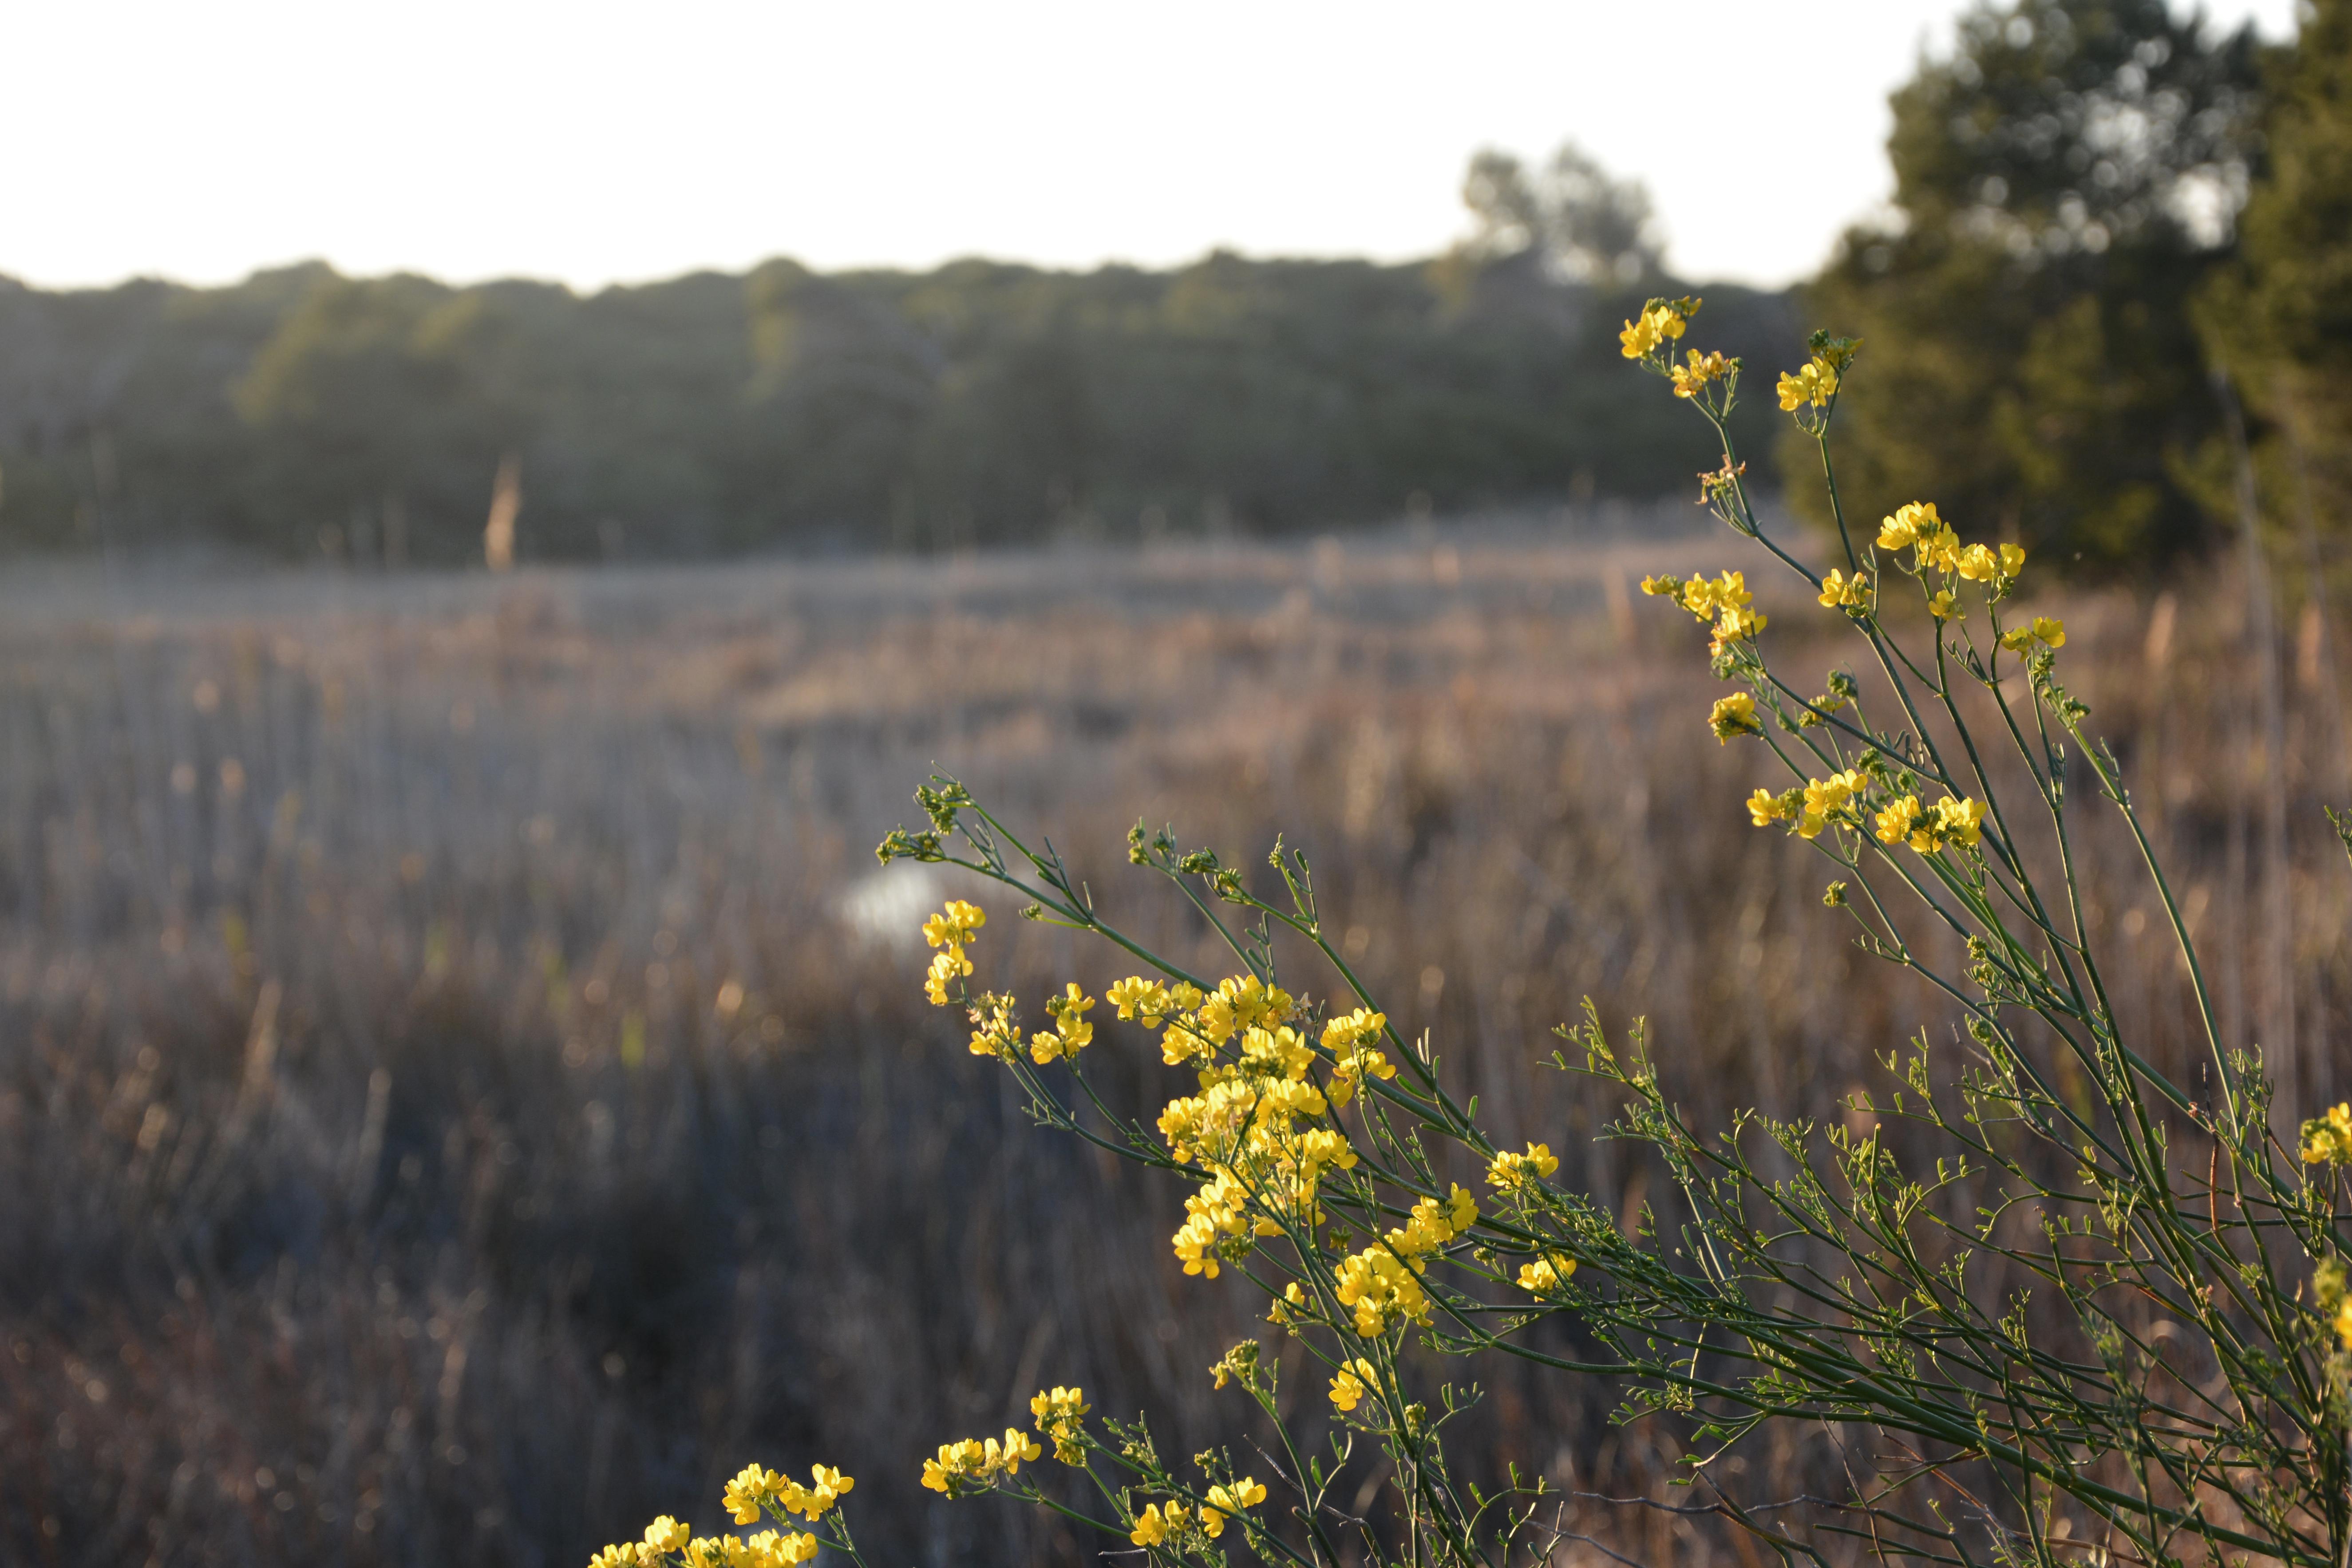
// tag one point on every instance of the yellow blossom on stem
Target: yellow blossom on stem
(1545, 1274)
(1352, 1382)
(1140, 1000)
(1812, 385)
(1733, 715)
(2012, 559)
(1766, 809)
(1840, 591)
(1978, 564)
(1508, 1169)
(2051, 630)
(751, 1486)
(953, 926)
(1902, 529)
(1945, 607)
(1691, 379)
(666, 1534)
(2327, 1140)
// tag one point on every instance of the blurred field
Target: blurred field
(464, 1087)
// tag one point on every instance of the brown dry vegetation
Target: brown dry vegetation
(464, 1088)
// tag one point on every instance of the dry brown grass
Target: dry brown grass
(460, 1093)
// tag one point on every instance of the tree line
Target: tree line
(2119, 240)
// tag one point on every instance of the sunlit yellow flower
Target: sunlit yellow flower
(1946, 607)
(626, 1556)
(1766, 809)
(1815, 383)
(1157, 1523)
(953, 926)
(2327, 1140)
(1959, 821)
(945, 967)
(1733, 715)
(1842, 592)
(1140, 1000)
(1350, 1384)
(2012, 559)
(1545, 1274)
(2051, 630)
(1508, 1169)
(1978, 564)
(1690, 379)
(1901, 529)
(746, 1491)
(666, 1534)
(1658, 324)
(1895, 822)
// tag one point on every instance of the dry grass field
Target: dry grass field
(464, 1085)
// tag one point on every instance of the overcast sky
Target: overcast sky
(592, 142)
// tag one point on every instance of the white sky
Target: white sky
(591, 142)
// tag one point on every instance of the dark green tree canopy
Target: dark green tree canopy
(2066, 180)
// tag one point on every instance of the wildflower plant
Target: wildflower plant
(2051, 1306)
(2113, 1323)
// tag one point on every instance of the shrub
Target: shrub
(2051, 1304)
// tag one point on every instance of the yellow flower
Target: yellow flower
(2012, 559)
(1815, 383)
(1766, 809)
(1901, 529)
(1733, 715)
(2017, 640)
(626, 1556)
(953, 926)
(746, 1491)
(1895, 822)
(1246, 1493)
(2051, 630)
(1842, 592)
(1943, 607)
(1959, 821)
(666, 1534)
(1977, 565)
(1545, 1274)
(1735, 626)
(1509, 1170)
(945, 968)
(1691, 378)
(1825, 799)
(1668, 585)
(1352, 1382)
(2327, 1140)
(1658, 324)
(1140, 999)
(1157, 1523)
(2344, 1324)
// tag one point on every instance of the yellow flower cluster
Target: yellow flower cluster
(1382, 1283)
(1840, 591)
(1734, 715)
(1243, 1494)
(1815, 805)
(951, 930)
(1071, 1033)
(1938, 547)
(1352, 1382)
(753, 1492)
(977, 1462)
(1509, 1171)
(1660, 323)
(1953, 821)
(2048, 630)
(1058, 1412)
(2327, 1140)
(1814, 384)
(996, 1027)
(1724, 600)
(1546, 1275)
(1691, 379)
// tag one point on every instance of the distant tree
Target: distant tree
(2066, 180)
(1582, 224)
(2282, 320)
